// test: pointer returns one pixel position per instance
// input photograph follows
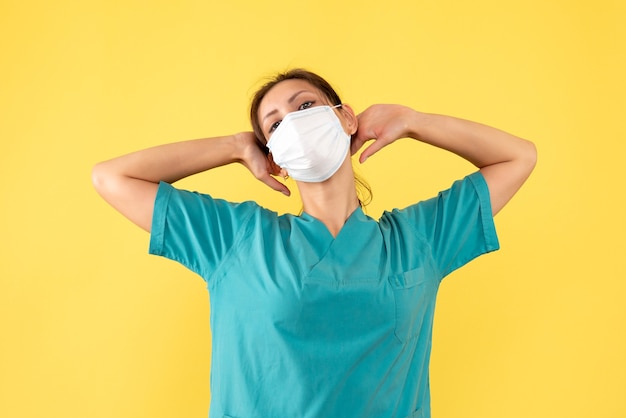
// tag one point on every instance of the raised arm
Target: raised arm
(505, 160)
(129, 183)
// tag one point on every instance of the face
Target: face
(293, 95)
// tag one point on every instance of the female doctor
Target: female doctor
(328, 313)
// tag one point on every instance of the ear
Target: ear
(351, 121)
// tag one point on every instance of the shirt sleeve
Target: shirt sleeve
(457, 224)
(194, 229)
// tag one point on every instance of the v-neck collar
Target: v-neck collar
(343, 260)
(357, 213)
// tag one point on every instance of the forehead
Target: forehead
(281, 92)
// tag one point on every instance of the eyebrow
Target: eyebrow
(290, 100)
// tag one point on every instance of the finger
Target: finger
(275, 184)
(371, 150)
(360, 138)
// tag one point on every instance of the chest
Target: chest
(336, 292)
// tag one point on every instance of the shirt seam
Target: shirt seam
(432, 260)
(240, 234)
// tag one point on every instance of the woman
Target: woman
(329, 313)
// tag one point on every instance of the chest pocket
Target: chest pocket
(416, 414)
(414, 297)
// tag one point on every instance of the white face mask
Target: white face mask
(310, 144)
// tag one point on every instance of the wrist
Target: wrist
(416, 121)
(244, 146)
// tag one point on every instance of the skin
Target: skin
(129, 183)
(505, 160)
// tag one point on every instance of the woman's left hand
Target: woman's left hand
(384, 123)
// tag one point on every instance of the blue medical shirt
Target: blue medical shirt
(307, 325)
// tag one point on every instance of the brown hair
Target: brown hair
(364, 192)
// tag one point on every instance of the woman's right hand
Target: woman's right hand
(261, 166)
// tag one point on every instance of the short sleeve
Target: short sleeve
(194, 229)
(457, 224)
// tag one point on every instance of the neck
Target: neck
(331, 201)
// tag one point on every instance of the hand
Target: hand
(261, 166)
(384, 123)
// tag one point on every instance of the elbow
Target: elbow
(104, 180)
(98, 177)
(523, 157)
(526, 161)
(523, 162)
(529, 156)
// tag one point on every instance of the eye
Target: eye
(303, 106)
(306, 105)
(274, 126)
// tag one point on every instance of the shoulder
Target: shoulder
(197, 209)
(444, 215)
(169, 194)
(453, 227)
(470, 190)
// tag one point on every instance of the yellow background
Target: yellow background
(92, 326)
